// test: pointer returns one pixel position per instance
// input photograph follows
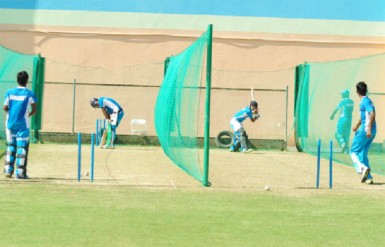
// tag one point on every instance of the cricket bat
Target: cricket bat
(252, 94)
(104, 137)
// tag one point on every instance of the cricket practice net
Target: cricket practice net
(321, 90)
(178, 109)
(11, 63)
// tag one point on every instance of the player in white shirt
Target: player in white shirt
(19, 105)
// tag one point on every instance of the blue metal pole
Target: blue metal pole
(73, 106)
(331, 166)
(97, 132)
(92, 157)
(79, 155)
(318, 162)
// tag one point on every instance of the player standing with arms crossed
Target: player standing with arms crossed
(365, 132)
(17, 103)
(113, 112)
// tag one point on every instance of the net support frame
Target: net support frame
(207, 110)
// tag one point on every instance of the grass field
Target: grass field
(140, 199)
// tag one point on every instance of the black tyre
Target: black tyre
(224, 139)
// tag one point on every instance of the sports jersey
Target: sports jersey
(346, 108)
(18, 101)
(243, 114)
(366, 107)
(109, 104)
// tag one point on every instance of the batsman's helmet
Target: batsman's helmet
(345, 93)
(93, 102)
(254, 104)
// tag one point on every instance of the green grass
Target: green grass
(35, 214)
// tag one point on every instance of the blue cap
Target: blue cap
(345, 93)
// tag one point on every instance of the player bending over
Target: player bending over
(113, 112)
(240, 136)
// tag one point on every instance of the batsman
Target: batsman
(240, 137)
(113, 112)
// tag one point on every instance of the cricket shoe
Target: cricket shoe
(369, 181)
(8, 171)
(345, 149)
(245, 151)
(108, 147)
(365, 173)
(22, 176)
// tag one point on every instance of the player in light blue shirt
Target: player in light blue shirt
(113, 112)
(240, 135)
(344, 124)
(365, 132)
(19, 105)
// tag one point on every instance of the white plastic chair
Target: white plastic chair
(139, 126)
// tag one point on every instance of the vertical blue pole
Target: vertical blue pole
(97, 132)
(318, 162)
(79, 155)
(73, 106)
(331, 166)
(99, 137)
(92, 157)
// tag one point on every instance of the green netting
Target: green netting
(177, 111)
(11, 63)
(38, 89)
(319, 91)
